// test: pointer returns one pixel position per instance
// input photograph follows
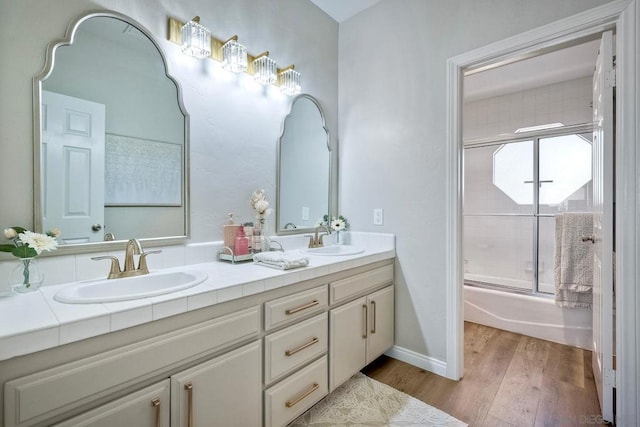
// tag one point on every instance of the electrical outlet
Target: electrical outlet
(305, 213)
(378, 216)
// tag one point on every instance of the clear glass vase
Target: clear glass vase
(261, 238)
(26, 276)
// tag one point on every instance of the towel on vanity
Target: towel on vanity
(280, 260)
(573, 260)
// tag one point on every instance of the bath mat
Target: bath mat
(362, 401)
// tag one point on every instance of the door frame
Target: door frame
(622, 15)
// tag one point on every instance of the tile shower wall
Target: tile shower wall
(499, 250)
(566, 102)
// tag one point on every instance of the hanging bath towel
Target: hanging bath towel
(573, 260)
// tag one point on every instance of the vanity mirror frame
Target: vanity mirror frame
(280, 231)
(37, 137)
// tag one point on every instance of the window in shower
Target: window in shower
(512, 191)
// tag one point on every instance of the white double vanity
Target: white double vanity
(249, 346)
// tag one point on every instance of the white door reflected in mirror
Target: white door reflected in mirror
(73, 167)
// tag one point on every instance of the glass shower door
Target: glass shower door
(565, 186)
(512, 194)
(498, 219)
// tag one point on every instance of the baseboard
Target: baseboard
(420, 360)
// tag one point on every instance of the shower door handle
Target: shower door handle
(589, 238)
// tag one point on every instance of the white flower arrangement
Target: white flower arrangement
(27, 244)
(335, 223)
(260, 204)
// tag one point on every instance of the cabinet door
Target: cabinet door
(347, 341)
(146, 407)
(225, 391)
(381, 323)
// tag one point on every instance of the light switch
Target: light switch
(378, 216)
(305, 213)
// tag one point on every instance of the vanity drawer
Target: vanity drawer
(286, 309)
(290, 398)
(294, 346)
(342, 290)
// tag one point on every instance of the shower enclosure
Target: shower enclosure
(513, 188)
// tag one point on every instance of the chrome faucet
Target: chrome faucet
(315, 241)
(289, 224)
(132, 248)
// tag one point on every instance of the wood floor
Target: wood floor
(509, 380)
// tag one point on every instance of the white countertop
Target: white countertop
(35, 321)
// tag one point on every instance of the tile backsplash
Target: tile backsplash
(60, 269)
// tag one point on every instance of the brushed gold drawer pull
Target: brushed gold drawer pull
(364, 320)
(156, 404)
(373, 309)
(189, 388)
(313, 341)
(302, 307)
(313, 388)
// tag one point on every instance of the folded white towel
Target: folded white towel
(573, 260)
(280, 260)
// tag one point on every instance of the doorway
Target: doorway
(621, 17)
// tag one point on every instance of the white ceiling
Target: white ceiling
(341, 10)
(561, 65)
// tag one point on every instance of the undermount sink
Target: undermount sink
(335, 250)
(128, 288)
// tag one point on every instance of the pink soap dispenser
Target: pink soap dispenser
(242, 243)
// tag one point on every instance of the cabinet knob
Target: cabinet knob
(365, 316)
(290, 403)
(302, 307)
(373, 315)
(189, 388)
(313, 341)
(156, 404)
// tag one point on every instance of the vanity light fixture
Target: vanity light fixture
(265, 70)
(289, 81)
(234, 56)
(196, 39)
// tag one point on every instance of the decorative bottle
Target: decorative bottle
(248, 232)
(257, 238)
(230, 231)
(241, 243)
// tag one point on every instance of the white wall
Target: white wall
(234, 129)
(393, 137)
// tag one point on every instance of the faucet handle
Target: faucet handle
(142, 262)
(115, 264)
(311, 242)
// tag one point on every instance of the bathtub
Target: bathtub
(537, 317)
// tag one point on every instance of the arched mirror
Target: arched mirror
(111, 137)
(304, 168)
